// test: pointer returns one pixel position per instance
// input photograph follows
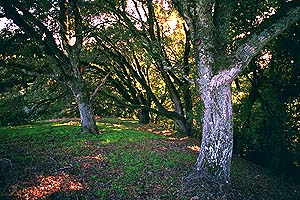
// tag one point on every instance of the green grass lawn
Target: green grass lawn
(54, 160)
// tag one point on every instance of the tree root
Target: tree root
(200, 185)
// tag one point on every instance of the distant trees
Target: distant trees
(76, 48)
(139, 51)
(25, 98)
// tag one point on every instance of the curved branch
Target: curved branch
(26, 70)
(252, 46)
(31, 26)
(99, 86)
(247, 51)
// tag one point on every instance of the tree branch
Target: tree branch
(222, 15)
(247, 51)
(252, 46)
(99, 86)
(24, 70)
(31, 26)
(165, 113)
(78, 24)
(64, 21)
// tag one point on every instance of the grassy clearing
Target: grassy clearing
(126, 161)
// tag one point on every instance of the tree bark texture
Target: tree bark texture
(217, 133)
(85, 108)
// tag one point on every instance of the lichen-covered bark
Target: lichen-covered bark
(88, 123)
(217, 133)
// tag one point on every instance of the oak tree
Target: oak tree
(58, 31)
(221, 56)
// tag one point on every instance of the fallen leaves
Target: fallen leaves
(44, 186)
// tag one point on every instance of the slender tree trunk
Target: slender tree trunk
(143, 115)
(184, 126)
(188, 107)
(85, 107)
(217, 133)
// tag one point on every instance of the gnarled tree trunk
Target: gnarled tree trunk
(184, 126)
(88, 123)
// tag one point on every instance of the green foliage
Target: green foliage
(37, 98)
(267, 115)
(266, 109)
(11, 112)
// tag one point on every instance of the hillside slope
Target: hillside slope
(53, 160)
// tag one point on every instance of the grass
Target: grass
(53, 160)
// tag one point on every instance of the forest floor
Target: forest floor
(54, 160)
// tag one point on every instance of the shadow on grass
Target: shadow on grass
(54, 160)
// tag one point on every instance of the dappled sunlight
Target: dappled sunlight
(46, 185)
(21, 127)
(119, 121)
(106, 141)
(178, 138)
(172, 138)
(194, 148)
(84, 168)
(98, 157)
(184, 138)
(70, 123)
(117, 125)
(116, 129)
(264, 59)
(294, 140)
(128, 121)
(166, 133)
(90, 161)
(113, 127)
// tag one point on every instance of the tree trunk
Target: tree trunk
(210, 178)
(88, 122)
(143, 116)
(85, 107)
(217, 133)
(184, 126)
(188, 107)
